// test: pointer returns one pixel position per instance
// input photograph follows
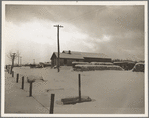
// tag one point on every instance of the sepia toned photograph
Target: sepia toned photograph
(74, 59)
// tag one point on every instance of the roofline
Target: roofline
(83, 52)
(63, 57)
(52, 55)
(83, 56)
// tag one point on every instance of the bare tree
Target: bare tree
(12, 57)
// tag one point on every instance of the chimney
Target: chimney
(69, 52)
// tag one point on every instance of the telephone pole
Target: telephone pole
(58, 26)
(20, 61)
(34, 61)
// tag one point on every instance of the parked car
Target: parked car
(139, 67)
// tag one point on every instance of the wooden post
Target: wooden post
(52, 103)
(57, 45)
(58, 63)
(17, 78)
(79, 88)
(30, 89)
(23, 82)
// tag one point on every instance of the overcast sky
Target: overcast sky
(117, 31)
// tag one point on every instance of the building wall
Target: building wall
(61, 62)
(54, 61)
(97, 60)
(68, 62)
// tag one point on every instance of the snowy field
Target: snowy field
(113, 92)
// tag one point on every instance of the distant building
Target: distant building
(44, 64)
(67, 57)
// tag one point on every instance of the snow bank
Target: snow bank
(91, 63)
(79, 63)
(101, 63)
(96, 67)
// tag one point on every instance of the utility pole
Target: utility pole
(20, 61)
(58, 65)
(33, 61)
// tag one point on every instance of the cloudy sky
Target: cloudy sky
(117, 31)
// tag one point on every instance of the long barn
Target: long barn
(67, 57)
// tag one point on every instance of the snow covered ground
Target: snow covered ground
(113, 92)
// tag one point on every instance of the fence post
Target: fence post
(52, 103)
(79, 88)
(23, 82)
(30, 90)
(17, 78)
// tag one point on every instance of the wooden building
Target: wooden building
(67, 57)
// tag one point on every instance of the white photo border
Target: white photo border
(145, 3)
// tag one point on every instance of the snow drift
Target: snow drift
(96, 67)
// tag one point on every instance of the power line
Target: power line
(20, 61)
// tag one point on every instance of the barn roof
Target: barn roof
(87, 54)
(80, 55)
